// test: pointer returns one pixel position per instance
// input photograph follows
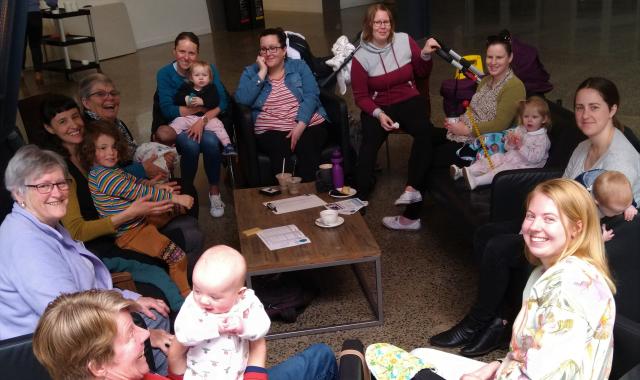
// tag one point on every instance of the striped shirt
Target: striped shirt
(113, 190)
(280, 110)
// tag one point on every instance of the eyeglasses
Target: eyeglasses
(46, 188)
(103, 94)
(270, 50)
(382, 22)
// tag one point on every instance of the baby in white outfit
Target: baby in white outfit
(220, 317)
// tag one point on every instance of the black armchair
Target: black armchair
(19, 362)
(255, 167)
(504, 199)
(623, 254)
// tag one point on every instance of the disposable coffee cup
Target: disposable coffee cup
(293, 185)
(283, 179)
(329, 217)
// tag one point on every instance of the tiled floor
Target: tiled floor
(429, 280)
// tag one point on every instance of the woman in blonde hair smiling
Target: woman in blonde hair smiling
(565, 326)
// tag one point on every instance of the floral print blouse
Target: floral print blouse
(565, 327)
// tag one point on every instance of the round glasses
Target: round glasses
(46, 188)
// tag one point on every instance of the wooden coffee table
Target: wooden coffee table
(349, 244)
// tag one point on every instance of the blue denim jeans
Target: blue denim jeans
(190, 151)
(159, 357)
(317, 362)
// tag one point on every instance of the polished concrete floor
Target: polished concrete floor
(429, 280)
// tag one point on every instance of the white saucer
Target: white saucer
(338, 222)
(352, 192)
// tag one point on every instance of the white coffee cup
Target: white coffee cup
(329, 217)
(85, 62)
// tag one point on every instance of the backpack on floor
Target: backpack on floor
(284, 298)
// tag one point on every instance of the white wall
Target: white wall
(158, 21)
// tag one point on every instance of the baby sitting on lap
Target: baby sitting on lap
(614, 196)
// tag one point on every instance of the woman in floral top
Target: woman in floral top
(565, 326)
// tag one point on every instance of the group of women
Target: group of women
(563, 329)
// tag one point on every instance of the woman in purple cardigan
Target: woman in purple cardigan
(40, 260)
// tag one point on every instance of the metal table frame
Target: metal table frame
(375, 302)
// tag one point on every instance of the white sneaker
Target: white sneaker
(393, 222)
(469, 179)
(455, 172)
(408, 197)
(217, 206)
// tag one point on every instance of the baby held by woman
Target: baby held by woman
(222, 322)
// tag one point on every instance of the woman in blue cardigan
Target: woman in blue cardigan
(196, 140)
(286, 110)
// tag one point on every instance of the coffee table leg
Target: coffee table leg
(375, 302)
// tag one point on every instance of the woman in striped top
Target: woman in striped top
(286, 110)
(113, 190)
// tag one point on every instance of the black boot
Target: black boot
(492, 338)
(460, 334)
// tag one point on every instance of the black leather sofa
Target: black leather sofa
(255, 167)
(503, 199)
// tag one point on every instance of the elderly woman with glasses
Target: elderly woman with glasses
(383, 77)
(40, 260)
(286, 110)
(100, 100)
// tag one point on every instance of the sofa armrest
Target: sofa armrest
(626, 340)
(123, 280)
(351, 363)
(510, 188)
(247, 150)
(18, 360)
(338, 114)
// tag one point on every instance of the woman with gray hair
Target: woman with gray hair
(101, 101)
(40, 260)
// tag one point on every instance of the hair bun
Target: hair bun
(505, 35)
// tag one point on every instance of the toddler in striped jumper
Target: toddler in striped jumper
(113, 191)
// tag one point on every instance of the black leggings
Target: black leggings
(410, 114)
(504, 270)
(34, 37)
(277, 146)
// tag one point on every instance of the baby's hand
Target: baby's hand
(629, 213)
(183, 200)
(607, 234)
(231, 326)
(196, 101)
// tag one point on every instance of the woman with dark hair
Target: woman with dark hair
(383, 77)
(483, 329)
(196, 140)
(286, 110)
(495, 104)
(63, 121)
